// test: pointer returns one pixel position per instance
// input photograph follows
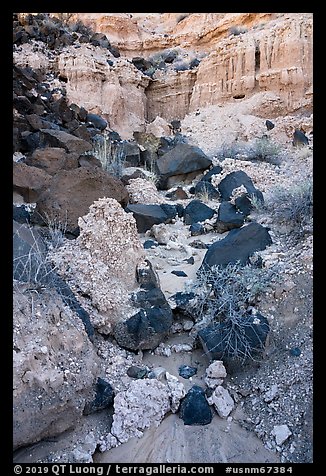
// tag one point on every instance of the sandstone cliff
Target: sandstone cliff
(238, 55)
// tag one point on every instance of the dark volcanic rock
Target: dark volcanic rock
(238, 245)
(20, 214)
(178, 194)
(244, 204)
(89, 161)
(221, 341)
(235, 180)
(206, 188)
(213, 171)
(149, 244)
(71, 143)
(71, 192)
(196, 211)
(147, 328)
(228, 217)
(137, 372)
(183, 159)
(186, 371)
(97, 121)
(180, 274)
(196, 229)
(144, 330)
(299, 138)
(194, 408)
(103, 399)
(269, 125)
(147, 215)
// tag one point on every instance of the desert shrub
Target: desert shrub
(265, 149)
(262, 149)
(293, 207)
(225, 291)
(225, 294)
(31, 261)
(111, 154)
(232, 150)
(237, 30)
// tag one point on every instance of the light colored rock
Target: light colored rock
(141, 406)
(159, 373)
(222, 401)
(55, 366)
(178, 348)
(213, 382)
(271, 393)
(144, 191)
(281, 433)
(159, 127)
(115, 93)
(216, 370)
(177, 391)
(102, 261)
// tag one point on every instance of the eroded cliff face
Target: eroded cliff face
(276, 59)
(240, 55)
(273, 54)
(117, 93)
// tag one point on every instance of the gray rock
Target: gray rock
(182, 159)
(194, 408)
(235, 180)
(228, 217)
(196, 211)
(147, 215)
(238, 245)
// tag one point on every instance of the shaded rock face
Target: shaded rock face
(29, 181)
(205, 188)
(71, 192)
(221, 341)
(181, 160)
(53, 159)
(44, 406)
(194, 408)
(238, 245)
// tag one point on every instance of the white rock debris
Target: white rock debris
(142, 405)
(271, 393)
(215, 374)
(102, 261)
(222, 401)
(281, 433)
(144, 191)
(177, 391)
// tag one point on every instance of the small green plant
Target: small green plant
(293, 207)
